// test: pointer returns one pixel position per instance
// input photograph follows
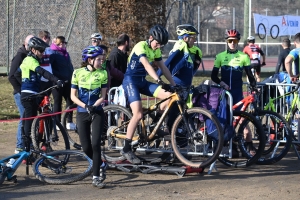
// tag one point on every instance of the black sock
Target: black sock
(127, 146)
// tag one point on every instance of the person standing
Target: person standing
(45, 61)
(31, 75)
(16, 83)
(293, 59)
(88, 92)
(118, 57)
(63, 69)
(255, 53)
(232, 63)
(286, 44)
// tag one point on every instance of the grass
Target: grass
(8, 109)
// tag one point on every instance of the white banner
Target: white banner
(282, 25)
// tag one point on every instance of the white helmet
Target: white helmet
(250, 38)
(97, 36)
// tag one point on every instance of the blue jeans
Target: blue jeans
(17, 98)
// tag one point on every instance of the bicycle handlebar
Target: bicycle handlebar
(42, 92)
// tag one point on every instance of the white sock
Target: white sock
(103, 164)
(97, 177)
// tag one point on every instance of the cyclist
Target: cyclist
(143, 54)
(183, 61)
(286, 45)
(96, 39)
(88, 90)
(254, 52)
(293, 58)
(31, 77)
(232, 63)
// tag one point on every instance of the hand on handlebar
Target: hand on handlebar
(294, 78)
(165, 86)
(224, 85)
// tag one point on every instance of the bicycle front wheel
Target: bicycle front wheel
(192, 142)
(248, 142)
(44, 137)
(61, 167)
(278, 137)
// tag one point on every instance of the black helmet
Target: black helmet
(160, 34)
(186, 29)
(37, 44)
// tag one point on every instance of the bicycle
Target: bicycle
(292, 117)
(57, 167)
(45, 127)
(271, 122)
(190, 141)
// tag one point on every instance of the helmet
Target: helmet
(97, 36)
(232, 33)
(91, 52)
(251, 38)
(37, 44)
(160, 34)
(186, 29)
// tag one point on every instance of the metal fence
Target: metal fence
(73, 19)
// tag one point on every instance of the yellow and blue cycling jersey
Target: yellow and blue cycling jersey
(232, 66)
(181, 63)
(89, 85)
(141, 49)
(30, 78)
(295, 53)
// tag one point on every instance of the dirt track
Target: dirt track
(278, 181)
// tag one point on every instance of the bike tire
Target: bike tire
(38, 135)
(243, 157)
(72, 133)
(115, 115)
(261, 31)
(272, 30)
(276, 129)
(192, 151)
(74, 166)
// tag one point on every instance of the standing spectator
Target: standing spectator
(16, 83)
(286, 44)
(62, 68)
(31, 73)
(112, 72)
(293, 58)
(255, 53)
(88, 83)
(45, 62)
(118, 57)
(96, 39)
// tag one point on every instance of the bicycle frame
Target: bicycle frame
(174, 97)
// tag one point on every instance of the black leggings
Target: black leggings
(30, 110)
(91, 146)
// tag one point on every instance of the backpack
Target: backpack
(210, 96)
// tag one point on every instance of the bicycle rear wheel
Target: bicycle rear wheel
(71, 131)
(278, 137)
(44, 137)
(198, 149)
(61, 167)
(245, 154)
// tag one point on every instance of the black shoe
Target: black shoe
(131, 157)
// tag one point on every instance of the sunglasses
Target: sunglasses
(95, 40)
(232, 40)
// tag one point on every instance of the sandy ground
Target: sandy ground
(278, 181)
